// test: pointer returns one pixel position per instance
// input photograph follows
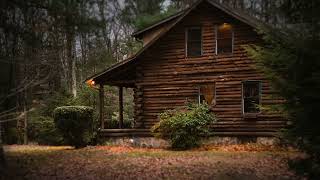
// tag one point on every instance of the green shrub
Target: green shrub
(11, 135)
(184, 127)
(57, 99)
(86, 96)
(308, 167)
(75, 123)
(42, 130)
(113, 123)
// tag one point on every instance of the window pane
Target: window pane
(224, 38)
(194, 42)
(251, 89)
(224, 31)
(251, 105)
(251, 97)
(194, 48)
(202, 99)
(225, 45)
(207, 94)
(194, 34)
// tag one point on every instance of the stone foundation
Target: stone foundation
(151, 142)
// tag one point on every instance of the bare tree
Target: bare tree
(2, 158)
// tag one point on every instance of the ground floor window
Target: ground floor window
(207, 94)
(251, 96)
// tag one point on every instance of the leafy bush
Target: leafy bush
(87, 96)
(306, 167)
(42, 129)
(75, 123)
(52, 101)
(41, 126)
(11, 135)
(184, 127)
(113, 123)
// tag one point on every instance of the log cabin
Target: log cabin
(195, 55)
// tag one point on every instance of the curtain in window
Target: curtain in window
(208, 92)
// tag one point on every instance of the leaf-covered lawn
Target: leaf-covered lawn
(110, 162)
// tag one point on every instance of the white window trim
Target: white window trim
(199, 92)
(216, 40)
(186, 40)
(242, 96)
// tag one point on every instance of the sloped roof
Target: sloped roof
(157, 24)
(177, 18)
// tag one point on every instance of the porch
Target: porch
(137, 129)
(121, 77)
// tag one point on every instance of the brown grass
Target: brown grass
(117, 162)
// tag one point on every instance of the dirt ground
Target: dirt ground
(239, 162)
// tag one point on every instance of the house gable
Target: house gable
(167, 78)
(171, 19)
(163, 77)
(159, 30)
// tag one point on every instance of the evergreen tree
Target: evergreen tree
(181, 4)
(291, 61)
(141, 13)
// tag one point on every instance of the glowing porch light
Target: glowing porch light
(91, 82)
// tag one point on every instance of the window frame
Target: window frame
(214, 91)
(253, 114)
(216, 40)
(186, 41)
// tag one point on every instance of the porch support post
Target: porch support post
(101, 105)
(120, 107)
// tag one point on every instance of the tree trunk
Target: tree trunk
(25, 112)
(265, 10)
(120, 107)
(2, 159)
(71, 63)
(74, 79)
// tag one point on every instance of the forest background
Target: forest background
(48, 48)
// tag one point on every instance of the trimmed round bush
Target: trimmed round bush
(75, 124)
(184, 127)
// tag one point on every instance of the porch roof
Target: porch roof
(117, 74)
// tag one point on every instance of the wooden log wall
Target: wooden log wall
(166, 78)
(138, 100)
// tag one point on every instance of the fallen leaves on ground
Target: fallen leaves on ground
(125, 149)
(120, 162)
(249, 147)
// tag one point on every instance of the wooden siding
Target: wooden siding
(166, 78)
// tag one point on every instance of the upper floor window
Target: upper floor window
(207, 94)
(251, 96)
(193, 41)
(224, 39)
